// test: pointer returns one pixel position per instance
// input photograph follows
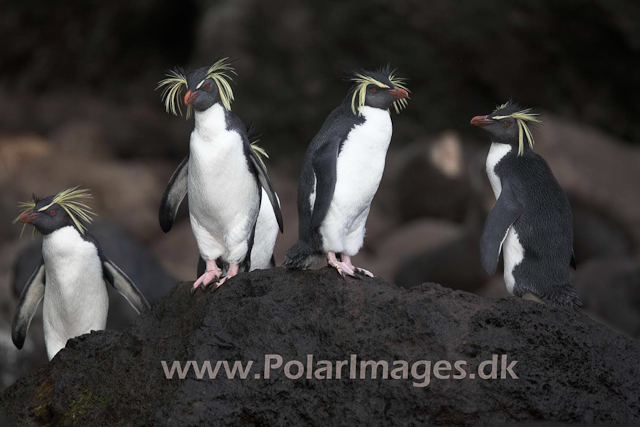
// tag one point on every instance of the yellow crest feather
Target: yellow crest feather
(360, 91)
(174, 85)
(522, 117)
(220, 74)
(260, 152)
(71, 200)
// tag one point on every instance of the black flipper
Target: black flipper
(505, 212)
(326, 173)
(31, 296)
(323, 165)
(173, 195)
(572, 263)
(265, 182)
(124, 285)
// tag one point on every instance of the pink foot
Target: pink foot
(347, 260)
(233, 270)
(210, 275)
(342, 267)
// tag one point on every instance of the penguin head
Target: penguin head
(202, 90)
(378, 89)
(198, 89)
(508, 124)
(48, 220)
(52, 213)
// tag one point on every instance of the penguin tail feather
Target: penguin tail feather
(564, 294)
(300, 255)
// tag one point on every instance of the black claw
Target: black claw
(193, 290)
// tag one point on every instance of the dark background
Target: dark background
(78, 106)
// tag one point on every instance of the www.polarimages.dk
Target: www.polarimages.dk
(421, 371)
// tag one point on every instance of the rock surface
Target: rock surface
(570, 368)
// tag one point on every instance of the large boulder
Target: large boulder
(569, 368)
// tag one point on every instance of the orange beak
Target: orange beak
(399, 93)
(28, 217)
(481, 121)
(189, 97)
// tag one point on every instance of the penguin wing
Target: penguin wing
(31, 296)
(505, 212)
(324, 165)
(265, 182)
(173, 195)
(124, 285)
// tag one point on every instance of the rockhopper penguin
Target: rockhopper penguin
(531, 222)
(223, 175)
(72, 274)
(341, 171)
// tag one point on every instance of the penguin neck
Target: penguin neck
(497, 153)
(211, 122)
(61, 242)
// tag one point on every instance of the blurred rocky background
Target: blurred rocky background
(78, 106)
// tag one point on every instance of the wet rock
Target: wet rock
(569, 368)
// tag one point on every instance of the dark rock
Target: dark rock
(430, 180)
(456, 265)
(610, 290)
(570, 368)
(130, 255)
(410, 239)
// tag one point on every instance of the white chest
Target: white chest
(496, 153)
(76, 299)
(71, 263)
(362, 158)
(220, 182)
(223, 193)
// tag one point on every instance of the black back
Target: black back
(321, 157)
(544, 227)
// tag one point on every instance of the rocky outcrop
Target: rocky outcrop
(569, 368)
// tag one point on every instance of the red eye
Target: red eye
(507, 123)
(373, 89)
(52, 212)
(207, 87)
